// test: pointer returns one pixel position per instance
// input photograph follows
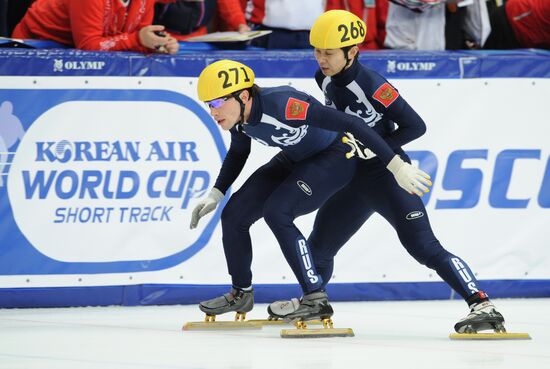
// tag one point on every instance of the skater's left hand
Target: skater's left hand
(411, 179)
(205, 206)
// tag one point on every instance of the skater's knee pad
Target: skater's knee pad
(275, 216)
(428, 254)
(229, 213)
(317, 242)
(323, 257)
(236, 216)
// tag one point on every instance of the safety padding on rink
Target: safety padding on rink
(103, 155)
(275, 64)
(192, 294)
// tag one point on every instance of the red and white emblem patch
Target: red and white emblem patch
(296, 109)
(386, 94)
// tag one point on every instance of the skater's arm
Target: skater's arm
(232, 165)
(410, 125)
(387, 100)
(333, 120)
(411, 179)
(234, 161)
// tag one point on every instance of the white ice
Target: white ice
(400, 335)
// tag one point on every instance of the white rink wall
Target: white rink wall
(487, 148)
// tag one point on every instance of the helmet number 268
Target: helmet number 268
(352, 31)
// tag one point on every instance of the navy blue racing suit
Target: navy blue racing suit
(362, 92)
(310, 168)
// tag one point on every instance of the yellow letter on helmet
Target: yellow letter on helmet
(222, 78)
(336, 29)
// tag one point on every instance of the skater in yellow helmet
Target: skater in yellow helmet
(310, 168)
(351, 87)
(337, 33)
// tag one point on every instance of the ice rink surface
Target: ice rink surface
(404, 335)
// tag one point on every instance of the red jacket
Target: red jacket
(530, 21)
(374, 18)
(229, 15)
(87, 24)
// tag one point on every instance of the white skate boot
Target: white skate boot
(236, 300)
(483, 316)
(311, 308)
(279, 309)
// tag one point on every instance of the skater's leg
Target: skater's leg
(408, 216)
(336, 222)
(323, 175)
(243, 209)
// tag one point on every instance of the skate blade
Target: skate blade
(489, 336)
(264, 322)
(317, 333)
(228, 325)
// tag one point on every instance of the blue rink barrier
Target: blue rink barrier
(170, 294)
(274, 64)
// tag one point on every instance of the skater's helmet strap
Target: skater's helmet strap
(336, 29)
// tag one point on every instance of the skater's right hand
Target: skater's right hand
(408, 177)
(205, 206)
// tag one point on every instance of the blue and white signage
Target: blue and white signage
(98, 181)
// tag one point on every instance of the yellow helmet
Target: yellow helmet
(336, 29)
(222, 78)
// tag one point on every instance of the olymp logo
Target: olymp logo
(393, 66)
(59, 65)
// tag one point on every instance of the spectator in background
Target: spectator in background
(189, 18)
(290, 21)
(11, 12)
(105, 25)
(467, 24)
(372, 12)
(421, 24)
(415, 25)
(520, 24)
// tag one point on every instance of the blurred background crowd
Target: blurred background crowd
(158, 25)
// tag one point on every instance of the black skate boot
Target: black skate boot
(236, 300)
(482, 316)
(280, 309)
(313, 306)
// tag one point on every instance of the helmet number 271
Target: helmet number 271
(225, 75)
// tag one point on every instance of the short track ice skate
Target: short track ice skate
(483, 316)
(302, 331)
(236, 300)
(313, 306)
(279, 309)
